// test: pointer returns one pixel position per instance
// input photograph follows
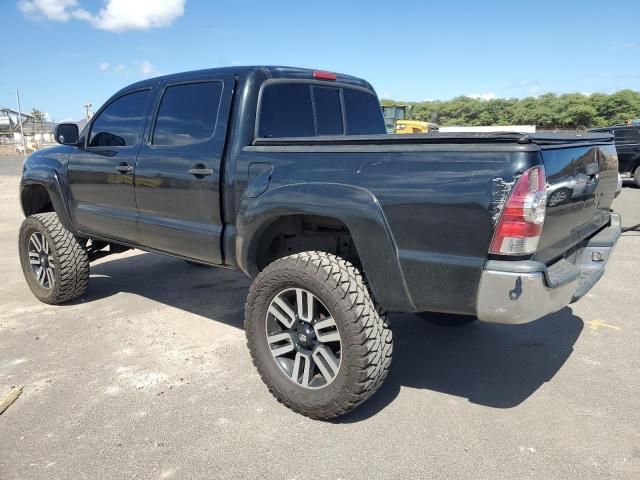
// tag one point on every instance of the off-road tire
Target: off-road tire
(448, 320)
(365, 334)
(69, 257)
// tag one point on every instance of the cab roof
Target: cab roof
(246, 71)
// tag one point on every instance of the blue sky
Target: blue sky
(77, 51)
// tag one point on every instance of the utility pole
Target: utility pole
(24, 144)
(87, 107)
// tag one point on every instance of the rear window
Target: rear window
(328, 110)
(364, 115)
(286, 111)
(307, 110)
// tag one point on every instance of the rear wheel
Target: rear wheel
(54, 263)
(318, 340)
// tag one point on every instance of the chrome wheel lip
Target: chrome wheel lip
(311, 363)
(41, 260)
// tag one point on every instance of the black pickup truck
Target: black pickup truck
(627, 140)
(287, 175)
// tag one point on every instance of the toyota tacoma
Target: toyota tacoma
(287, 174)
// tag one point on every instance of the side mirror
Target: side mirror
(67, 133)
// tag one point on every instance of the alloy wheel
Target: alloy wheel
(303, 338)
(41, 260)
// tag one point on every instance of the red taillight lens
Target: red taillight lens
(322, 75)
(520, 226)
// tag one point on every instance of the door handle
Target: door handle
(124, 168)
(201, 172)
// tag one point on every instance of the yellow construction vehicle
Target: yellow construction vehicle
(414, 126)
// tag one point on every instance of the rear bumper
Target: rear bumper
(523, 291)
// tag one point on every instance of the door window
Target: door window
(188, 114)
(120, 123)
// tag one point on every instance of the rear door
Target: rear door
(582, 183)
(177, 184)
(101, 173)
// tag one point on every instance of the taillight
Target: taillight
(520, 225)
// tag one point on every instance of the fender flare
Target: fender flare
(50, 180)
(355, 207)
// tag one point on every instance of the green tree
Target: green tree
(548, 111)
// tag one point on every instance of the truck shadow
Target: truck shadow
(214, 293)
(497, 366)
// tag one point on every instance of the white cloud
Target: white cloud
(104, 66)
(56, 10)
(119, 68)
(146, 68)
(115, 16)
(483, 96)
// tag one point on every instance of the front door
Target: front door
(101, 173)
(178, 168)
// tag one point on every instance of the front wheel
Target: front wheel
(54, 263)
(318, 340)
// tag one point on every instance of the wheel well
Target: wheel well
(300, 233)
(35, 199)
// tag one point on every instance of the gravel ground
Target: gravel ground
(148, 376)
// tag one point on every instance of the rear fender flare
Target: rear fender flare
(355, 207)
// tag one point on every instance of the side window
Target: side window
(120, 124)
(286, 111)
(187, 113)
(328, 108)
(364, 115)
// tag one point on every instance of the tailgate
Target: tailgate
(582, 182)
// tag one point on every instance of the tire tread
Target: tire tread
(370, 335)
(73, 261)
